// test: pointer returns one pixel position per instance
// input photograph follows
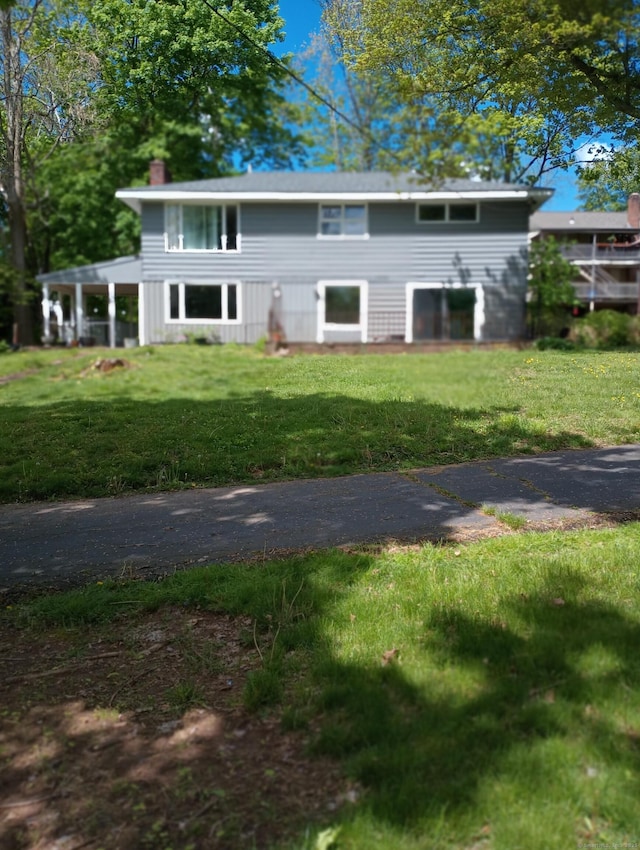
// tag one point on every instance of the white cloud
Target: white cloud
(593, 151)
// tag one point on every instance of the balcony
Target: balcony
(604, 252)
(606, 291)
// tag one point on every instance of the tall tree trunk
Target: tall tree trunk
(12, 177)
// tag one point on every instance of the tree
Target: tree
(550, 285)
(110, 84)
(524, 80)
(606, 183)
(46, 75)
(356, 125)
(173, 66)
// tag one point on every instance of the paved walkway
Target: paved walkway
(54, 543)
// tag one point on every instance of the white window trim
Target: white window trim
(181, 250)
(343, 236)
(363, 324)
(447, 207)
(181, 302)
(478, 311)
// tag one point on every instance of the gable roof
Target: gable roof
(329, 185)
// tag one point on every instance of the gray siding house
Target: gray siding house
(319, 257)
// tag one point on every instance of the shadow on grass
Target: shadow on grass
(547, 667)
(567, 673)
(80, 449)
(93, 753)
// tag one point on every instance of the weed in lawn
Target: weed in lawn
(184, 695)
(169, 476)
(263, 688)
(199, 657)
(511, 520)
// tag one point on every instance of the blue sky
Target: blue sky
(302, 17)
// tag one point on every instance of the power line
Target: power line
(279, 64)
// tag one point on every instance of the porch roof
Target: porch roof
(123, 270)
(580, 221)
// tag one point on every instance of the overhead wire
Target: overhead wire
(291, 73)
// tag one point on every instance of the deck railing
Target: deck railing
(606, 291)
(618, 252)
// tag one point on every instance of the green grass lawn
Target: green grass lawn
(483, 696)
(507, 714)
(184, 416)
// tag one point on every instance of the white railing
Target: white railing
(606, 291)
(603, 253)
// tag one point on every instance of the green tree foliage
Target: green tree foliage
(47, 73)
(500, 86)
(607, 183)
(176, 73)
(94, 89)
(550, 286)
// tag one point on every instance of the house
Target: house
(604, 248)
(321, 257)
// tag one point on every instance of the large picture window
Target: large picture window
(191, 227)
(204, 302)
(343, 220)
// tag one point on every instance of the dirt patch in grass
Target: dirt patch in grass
(16, 376)
(134, 735)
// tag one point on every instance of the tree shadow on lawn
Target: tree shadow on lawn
(99, 448)
(421, 752)
(97, 748)
(550, 670)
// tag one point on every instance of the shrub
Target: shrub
(556, 343)
(603, 329)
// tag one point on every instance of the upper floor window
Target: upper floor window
(456, 213)
(343, 220)
(190, 227)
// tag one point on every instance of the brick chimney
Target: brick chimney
(633, 211)
(159, 174)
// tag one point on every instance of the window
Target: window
(343, 220)
(437, 312)
(204, 302)
(342, 306)
(201, 228)
(458, 213)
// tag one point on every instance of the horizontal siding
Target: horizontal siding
(281, 244)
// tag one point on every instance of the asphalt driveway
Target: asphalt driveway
(152, 534)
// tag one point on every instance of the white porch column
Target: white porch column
(46, 313)
(79, 312)
(592, 294)
(142, 325)
(112, 315)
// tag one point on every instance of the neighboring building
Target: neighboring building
(324, 257)
(604, 247)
